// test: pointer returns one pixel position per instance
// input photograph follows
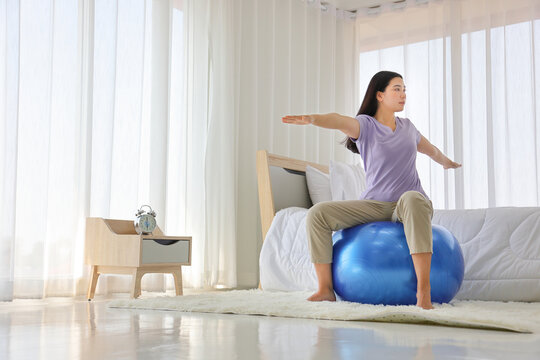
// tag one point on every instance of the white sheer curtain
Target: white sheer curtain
(471, 68)
(293, 57)
(108, 105)
(95, 123)
(43, 144)
(211, 142)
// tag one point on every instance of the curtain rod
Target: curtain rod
(324, 8)
(395, 5)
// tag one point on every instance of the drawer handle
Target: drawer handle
(164, 242)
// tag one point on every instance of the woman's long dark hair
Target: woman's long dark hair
(378, 82)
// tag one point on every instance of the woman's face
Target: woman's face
(393, 96)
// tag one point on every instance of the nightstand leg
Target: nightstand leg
(177, 274)
(93, 282)
(136, 288)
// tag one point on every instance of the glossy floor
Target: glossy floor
(78, 329)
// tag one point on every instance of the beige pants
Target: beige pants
(412, 209)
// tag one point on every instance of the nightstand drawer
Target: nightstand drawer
(165, 252)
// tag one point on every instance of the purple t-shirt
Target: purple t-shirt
(389, 158)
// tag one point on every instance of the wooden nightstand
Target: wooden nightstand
(113, 247)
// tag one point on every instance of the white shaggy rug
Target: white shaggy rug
(510, 316)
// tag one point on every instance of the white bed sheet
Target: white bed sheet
(284, 262)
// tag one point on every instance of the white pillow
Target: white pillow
(347, 182)
(318, 184)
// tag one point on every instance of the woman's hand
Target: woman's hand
(298, 119)
(451, 165)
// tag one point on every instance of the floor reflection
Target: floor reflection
(91, 330)
(312, 341)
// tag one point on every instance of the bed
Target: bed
(284, 264)
(501, 246)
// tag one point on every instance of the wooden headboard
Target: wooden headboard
(282, 184)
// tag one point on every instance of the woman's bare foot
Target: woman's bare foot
(323, 295)
(423, 299)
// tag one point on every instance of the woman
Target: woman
(388, 145)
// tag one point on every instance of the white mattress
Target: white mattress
(501, 248)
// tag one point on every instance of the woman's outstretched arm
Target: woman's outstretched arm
(425, 147)
(346, 124)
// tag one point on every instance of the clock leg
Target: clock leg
(93, 282)
(136, 283)
(177, 274)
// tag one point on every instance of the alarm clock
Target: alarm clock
(145, 220)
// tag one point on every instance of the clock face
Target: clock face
(147, 223)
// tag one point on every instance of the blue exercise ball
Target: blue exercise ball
(372, 265)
